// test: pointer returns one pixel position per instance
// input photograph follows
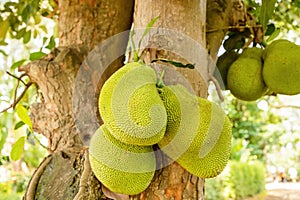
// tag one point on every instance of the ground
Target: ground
(280, 191)
(283, 191)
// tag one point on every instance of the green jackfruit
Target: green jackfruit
(275, 45)
(198, 136)
(281, 69)
(122, 168)
(130, 105)
(223, 64)
(254, 52)
(245, 80)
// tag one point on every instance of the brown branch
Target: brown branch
(84, 177)
(33, 183)
(34, 136)
(232, 27)
(18, 99)
(18, 78)
(217, 85)
(284, 106)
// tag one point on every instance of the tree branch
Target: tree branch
(18, 99)
(284, 106)
(217, 85)
(84, 177)
(232, 27)
(30, 191)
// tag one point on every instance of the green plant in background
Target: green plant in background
(238, 181)
(248, 128)
(24, 37)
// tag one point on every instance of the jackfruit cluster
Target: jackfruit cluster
(257, 72)
(137, 113)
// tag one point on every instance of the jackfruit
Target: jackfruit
(276, 44)
(223, 64)
(254, 52)
(183, 120)
(245, 80)
(122, 168)
(130, 105)
(281, 70)
(198, 136)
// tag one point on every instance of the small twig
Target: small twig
(34, 136)
(17, 100)
(18, 78)
(284, 106)
(217, 85)
(33, 183)
(232, 27)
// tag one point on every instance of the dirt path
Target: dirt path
(283, 191)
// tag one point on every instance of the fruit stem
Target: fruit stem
(160, 83)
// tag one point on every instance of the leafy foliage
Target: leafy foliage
(238, 181)
(283, 14)
(248, 128)
(22, 19)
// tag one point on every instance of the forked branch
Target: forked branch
(17, 99)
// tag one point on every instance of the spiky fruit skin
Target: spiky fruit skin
(130, 105)
(200, 143)
(245, 80)
(223, 64)
(122, 168)
(281, 69)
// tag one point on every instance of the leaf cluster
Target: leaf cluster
(22, 19)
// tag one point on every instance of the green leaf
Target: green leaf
(3, 43)
(18, 64)
(23, 115)
(4, 25)
(147, 30)
(267, 10)
(19, 125)
(26, 13)
(273, 35)
(26, 37)
(135, 53)
(17, 149)
(235, 41)
(36, 55)
(3, 52)
(270, 29)
(21, 33)
(44, 28)
(37, 18)
(51, 43)
(176, 64)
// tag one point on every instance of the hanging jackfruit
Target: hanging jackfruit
(254, 52)
(281, 69)
(122, 168)
(198, 134)
(130, 105)
(245, 80)
(223, 64)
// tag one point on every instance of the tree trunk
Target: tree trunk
(67, 78)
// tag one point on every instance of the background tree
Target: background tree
(82, 25)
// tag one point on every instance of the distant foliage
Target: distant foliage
(239, 180)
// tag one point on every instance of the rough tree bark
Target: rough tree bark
(83, 24)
